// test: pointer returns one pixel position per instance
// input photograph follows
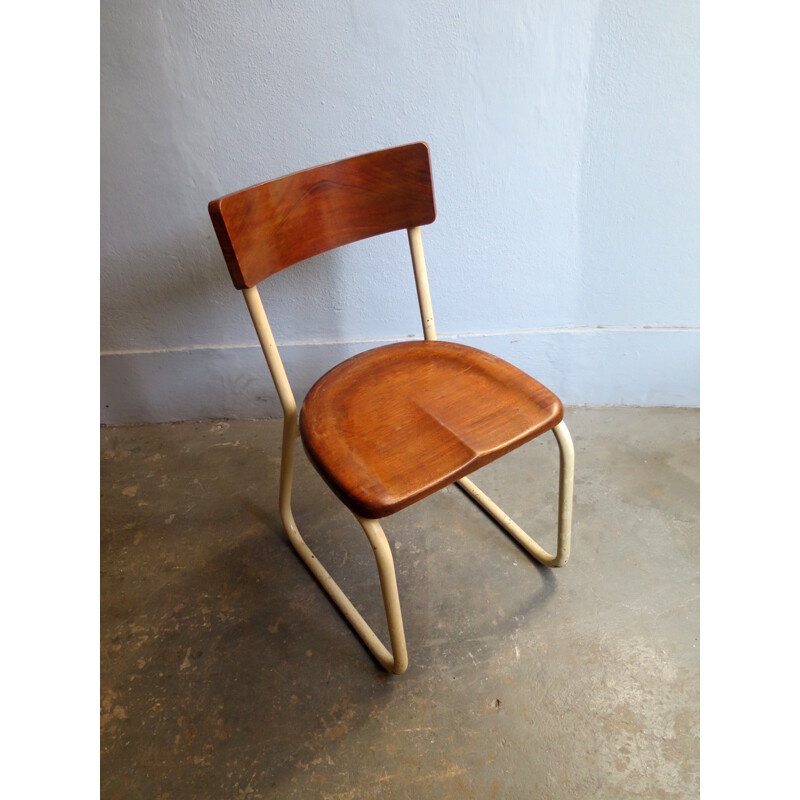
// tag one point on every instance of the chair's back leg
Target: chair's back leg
(565, 484)
(421, 278)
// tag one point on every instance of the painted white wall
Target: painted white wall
(564, 139)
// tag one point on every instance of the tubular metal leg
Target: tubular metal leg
(565, 486)
(397, 660)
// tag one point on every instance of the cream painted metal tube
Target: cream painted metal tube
(566, 482)
(261, 323)
(566, 478)
(396, 664)
(383, 554)
(391, 598)
(421, 278)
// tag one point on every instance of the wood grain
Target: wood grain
(273, 225)
(395, 424)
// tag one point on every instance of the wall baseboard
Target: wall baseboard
(583, 366)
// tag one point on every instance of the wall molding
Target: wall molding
(647, 366)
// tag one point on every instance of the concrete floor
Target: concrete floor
(226, 672)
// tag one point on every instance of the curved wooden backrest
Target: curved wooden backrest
(273, 225)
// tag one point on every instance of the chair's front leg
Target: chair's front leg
(565, 488)
(566, 482)
(396, 663)
(391, 598)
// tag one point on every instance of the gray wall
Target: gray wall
(564, 140)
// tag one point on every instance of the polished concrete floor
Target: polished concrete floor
(226, 672)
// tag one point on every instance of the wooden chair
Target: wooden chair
(390, 426)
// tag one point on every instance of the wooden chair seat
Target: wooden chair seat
(395, 424)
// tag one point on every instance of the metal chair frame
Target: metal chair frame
(395, 661)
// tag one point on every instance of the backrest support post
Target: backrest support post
(290, 421)
(421, 278)
(261, 323)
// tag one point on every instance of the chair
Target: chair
(390, 426)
